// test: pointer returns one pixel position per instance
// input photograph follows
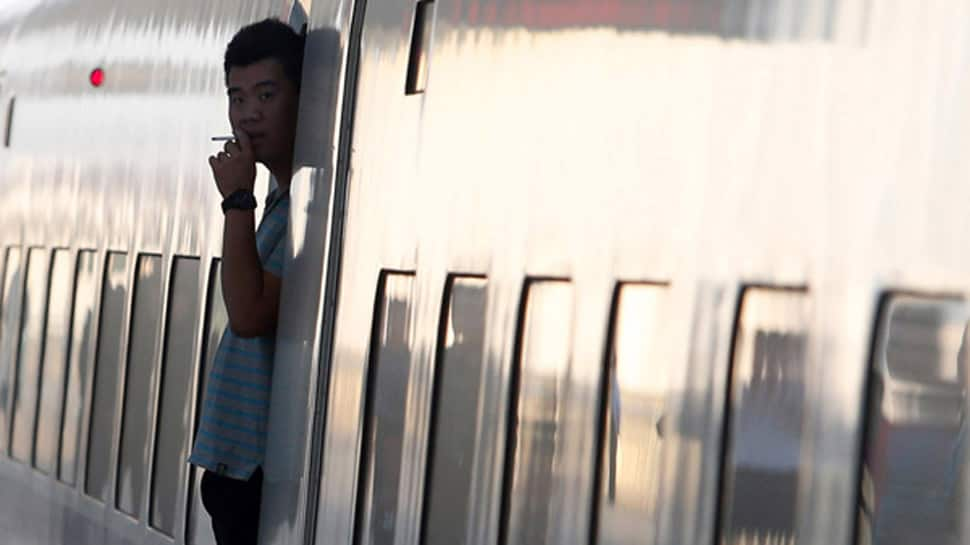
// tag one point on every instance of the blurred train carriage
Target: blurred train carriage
(559, 271)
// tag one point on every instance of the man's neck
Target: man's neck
(282, 177)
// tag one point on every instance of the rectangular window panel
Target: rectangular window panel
(13, 281)
(29, 355)
(80, 362)
(198, 528)
(635, 399)
(139, 404)
(915, 456)
(453, 435)
(384, 415)
(764, 422)
(104, 400)
(174, 421)
(57, 340)
(545, 348)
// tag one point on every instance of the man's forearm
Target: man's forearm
(242, 272)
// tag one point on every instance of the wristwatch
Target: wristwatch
(239, 199)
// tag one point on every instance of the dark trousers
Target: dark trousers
(233, 506)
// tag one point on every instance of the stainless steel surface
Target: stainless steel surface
(140, 376)
(27, 385)
(389, 369)
(638, 424)
(79, 376)
(53, 377)
(174, 426)
(705, 145)
(119, 167)
(762, 476)
(455, 406)
(198, 529)
(534, 479)
(13, 281)
(107, 375)
(914, 473)
(709, 152)
(305, 330)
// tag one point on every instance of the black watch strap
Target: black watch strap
(239, 199)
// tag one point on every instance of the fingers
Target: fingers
(216, 160)
(231, 147)
(243, 139)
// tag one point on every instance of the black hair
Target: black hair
(267, 39)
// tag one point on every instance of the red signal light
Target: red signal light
(97, 77)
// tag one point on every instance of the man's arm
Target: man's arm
(252, 295)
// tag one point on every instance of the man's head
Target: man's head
(263, 66)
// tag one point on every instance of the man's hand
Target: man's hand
(234, 167)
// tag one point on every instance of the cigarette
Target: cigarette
(223, 138)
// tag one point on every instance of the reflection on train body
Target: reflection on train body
(457, 384)
(638, 382)
(610, 271)
(916, 456)
(388, 380)
(765, 438)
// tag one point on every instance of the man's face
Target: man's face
(263, 102)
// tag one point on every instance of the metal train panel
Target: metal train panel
(114, 171)
(713, 148)
(656, 235)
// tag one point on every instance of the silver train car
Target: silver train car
(612, 272)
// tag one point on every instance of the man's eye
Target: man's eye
(235, 100)
(265, 96)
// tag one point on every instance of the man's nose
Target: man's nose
(252, 113)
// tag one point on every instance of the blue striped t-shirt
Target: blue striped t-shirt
(232, 431)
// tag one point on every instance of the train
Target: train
(616, 272)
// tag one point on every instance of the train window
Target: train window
(28, 359)
(634, 409)
(10, 321)
(57, 340)
(545, 348)
(454, 412)
(385, 411)
(104, 399)
(174, 425)
(79, 364)
(198, 528)
(915, 456)
(766, 406)
(139, 403)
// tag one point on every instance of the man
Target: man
(263, 66)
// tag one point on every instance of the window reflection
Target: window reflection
(915, 465)
(636, 395)
(79, 366)
(173, 428)
(104, 398)
(544, 362)
(139, 402)
(13, 281)
(198, 527)
(386, 414)
(767, 406)
(53, 370)
(27, 383)
(453, 440)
